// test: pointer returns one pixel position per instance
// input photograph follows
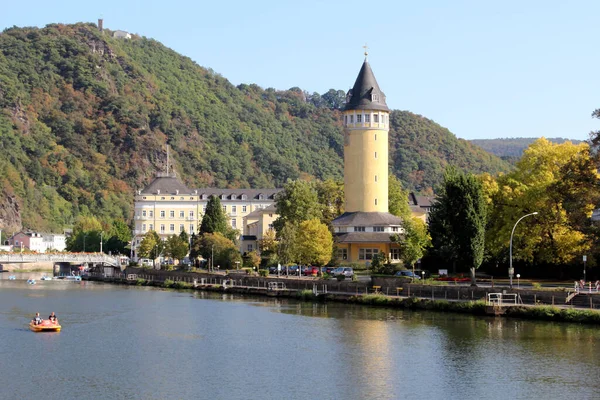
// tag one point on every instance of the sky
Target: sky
(481, 69)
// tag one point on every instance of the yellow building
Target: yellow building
(168, 207)
(256, 225)
(364, 229)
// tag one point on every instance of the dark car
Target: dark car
(310, 271)
(272, 270)
(328, 270)
(293, 269)
(423, 273)
(407, 274)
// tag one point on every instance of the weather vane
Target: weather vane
(366, 50)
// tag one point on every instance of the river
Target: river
(123, 342)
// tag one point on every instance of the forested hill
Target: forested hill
(511, 149)
(84, 119)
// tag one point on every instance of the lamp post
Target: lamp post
(511, 271)
(84, 235)
(100, 242)
(518, 281)
(212, 257)
(584, 260)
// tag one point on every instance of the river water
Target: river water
(143, 343)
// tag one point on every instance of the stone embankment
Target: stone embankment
(379, 291)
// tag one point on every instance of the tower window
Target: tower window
(375, 136)
(375, 201)
(376, 118)
(367, 117)
(375, 178)
(374, 97)
(359, 118)
(375, 154)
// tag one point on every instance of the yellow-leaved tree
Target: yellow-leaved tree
(314, 243)
(559, 181)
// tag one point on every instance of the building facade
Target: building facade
(256, 225)
(168, 207)
(38, 242)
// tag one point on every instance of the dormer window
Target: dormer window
(243, 197)
(204, 197)
(223, 197)
(233, 197)
(261, 197)
(375, 97)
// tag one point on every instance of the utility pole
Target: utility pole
(212, 258)
(100, 242)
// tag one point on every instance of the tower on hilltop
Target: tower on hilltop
(366, 124)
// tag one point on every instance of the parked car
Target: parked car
(346, 271)
(423, 273)
(407, 274)
(311, 271)
(328, 270)
(293, 269)
(273, 270)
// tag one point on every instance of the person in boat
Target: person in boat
(37, 320)
(53, 318)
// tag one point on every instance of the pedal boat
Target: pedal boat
(45, 326)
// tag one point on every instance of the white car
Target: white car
(346, 271)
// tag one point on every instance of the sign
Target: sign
(511, 271)
(442, 272)
(278, 267)
(584, 258)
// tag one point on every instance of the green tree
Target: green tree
(175, 248)
(151, 246)
(252, 260)
(268, 244)
(330, 194)
(297, 202)
(398, 198)
(223, 249)
(413, 242)
(214, 219)
(458, 219)
(288, 247)
(314, 243)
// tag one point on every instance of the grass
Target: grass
(551, 313)
(306, 294)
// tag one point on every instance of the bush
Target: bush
(340, 277)
(182, 285)
(140, 282)
(306, 294)
(168, 283)
(325, 276)
(263, 272)
(536, 285)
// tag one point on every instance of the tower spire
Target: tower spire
(366, 51)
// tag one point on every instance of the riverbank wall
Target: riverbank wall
(462, 299)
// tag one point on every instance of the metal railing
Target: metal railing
(503, 299)
(582, 287)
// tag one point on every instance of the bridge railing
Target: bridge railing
(59, 257)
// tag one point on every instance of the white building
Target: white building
(121, 35)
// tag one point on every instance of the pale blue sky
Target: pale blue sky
(482, 69)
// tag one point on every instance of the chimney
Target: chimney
(100, 20)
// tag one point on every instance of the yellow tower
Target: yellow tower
(366, 122)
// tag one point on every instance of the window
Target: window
(172, 227)
(144, 198)
(171, 214)
(233, 197)
(191, 228)
(375, 137)
(191, 214)
(352, 119)
(223, 197)
(249, 247)
(367, 117)
(181, 198)
(270, 215)
(359, 229)
(376, 119)
(204, 209)
(224, 209)
(271, 227)
(345, 120)
(162, 228)
(234, 209)
(367, 254)
(256, 208)
(143, 227)
(378, 229)
(394, 229)
(342, 254)
(143, 213)
(395, 254)
(181, 214)
(375, 154)
(375, 97)
(181, 228)
(375, 201)
(234, 223)
(204, 197)
(243, 197)
(151, 226)
(162, 214)
(261, 197)
(151, 214)
(375, 178)
(172, 198)
(162, 198)
(244, 209)
(359, 118)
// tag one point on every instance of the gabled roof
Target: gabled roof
(360, 218)
(360, 97)
(251, 194)
(166, 185)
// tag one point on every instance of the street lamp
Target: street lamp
(100, 242)
(511, 271)
(518, 281)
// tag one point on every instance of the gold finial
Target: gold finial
(366, 50)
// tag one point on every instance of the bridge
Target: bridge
(80, 258)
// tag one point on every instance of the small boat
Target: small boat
(12, 277)
(46, 278)
(45, 326)
(31, 281)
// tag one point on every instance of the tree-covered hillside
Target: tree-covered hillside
(84, 119)
(511, 149)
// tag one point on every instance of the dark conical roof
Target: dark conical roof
(366, 95)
